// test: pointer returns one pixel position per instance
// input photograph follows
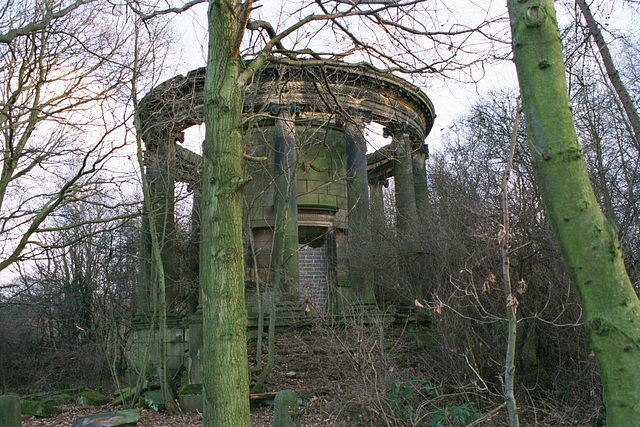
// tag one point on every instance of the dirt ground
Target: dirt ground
(262, 416)
(367, 375)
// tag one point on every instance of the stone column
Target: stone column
(420, 184)
(419, 270)
(358, 209)
(194, 361)
(160, 162)
(161, 168)
(406, 213)
(340, 294)
(144, 269)
(194, 249)
(377, 220)
(285, 206)
(10, 411)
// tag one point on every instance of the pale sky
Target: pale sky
(452, 97)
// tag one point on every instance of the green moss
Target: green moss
(10, 410)
(91, 398)
(127, 394)
(39, 408)
(190, 389)
(59, 399)
(154, 400)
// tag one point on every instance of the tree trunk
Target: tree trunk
(587, 240)
(511, 301)
(612, 72)
(226, 379)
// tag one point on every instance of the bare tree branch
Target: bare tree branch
(33, 27)
(155, 13)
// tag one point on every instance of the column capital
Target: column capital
(275, 108)
(161, 133)
(418, 149)
(365, 115)
(381, 181)
(396, 129)
(424, 149)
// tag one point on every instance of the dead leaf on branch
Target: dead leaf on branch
(522, 287)
(501, 235)
(438, 308)
(486, 285)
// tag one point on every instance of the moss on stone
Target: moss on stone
(91, 398)
(39, 408)
(190, 389)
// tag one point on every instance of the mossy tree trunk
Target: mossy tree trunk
(226, 379)
(588, 241)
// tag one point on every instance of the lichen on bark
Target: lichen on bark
(586, 238)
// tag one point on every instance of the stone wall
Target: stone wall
(320, 174)
(313, 275)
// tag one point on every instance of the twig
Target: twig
(488, 416)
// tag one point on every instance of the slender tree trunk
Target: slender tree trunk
(226, 379)
(587, 241)
(259, 301)
(271, 342)
(612, 72)
(159, 231)
(510, 299)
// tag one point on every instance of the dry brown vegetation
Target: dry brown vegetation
(372, 373)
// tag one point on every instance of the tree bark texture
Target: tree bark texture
(226, 382)
(587, 240)
(626, 100)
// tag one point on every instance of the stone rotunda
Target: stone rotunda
(313, 198)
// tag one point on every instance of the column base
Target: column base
(145, 344)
